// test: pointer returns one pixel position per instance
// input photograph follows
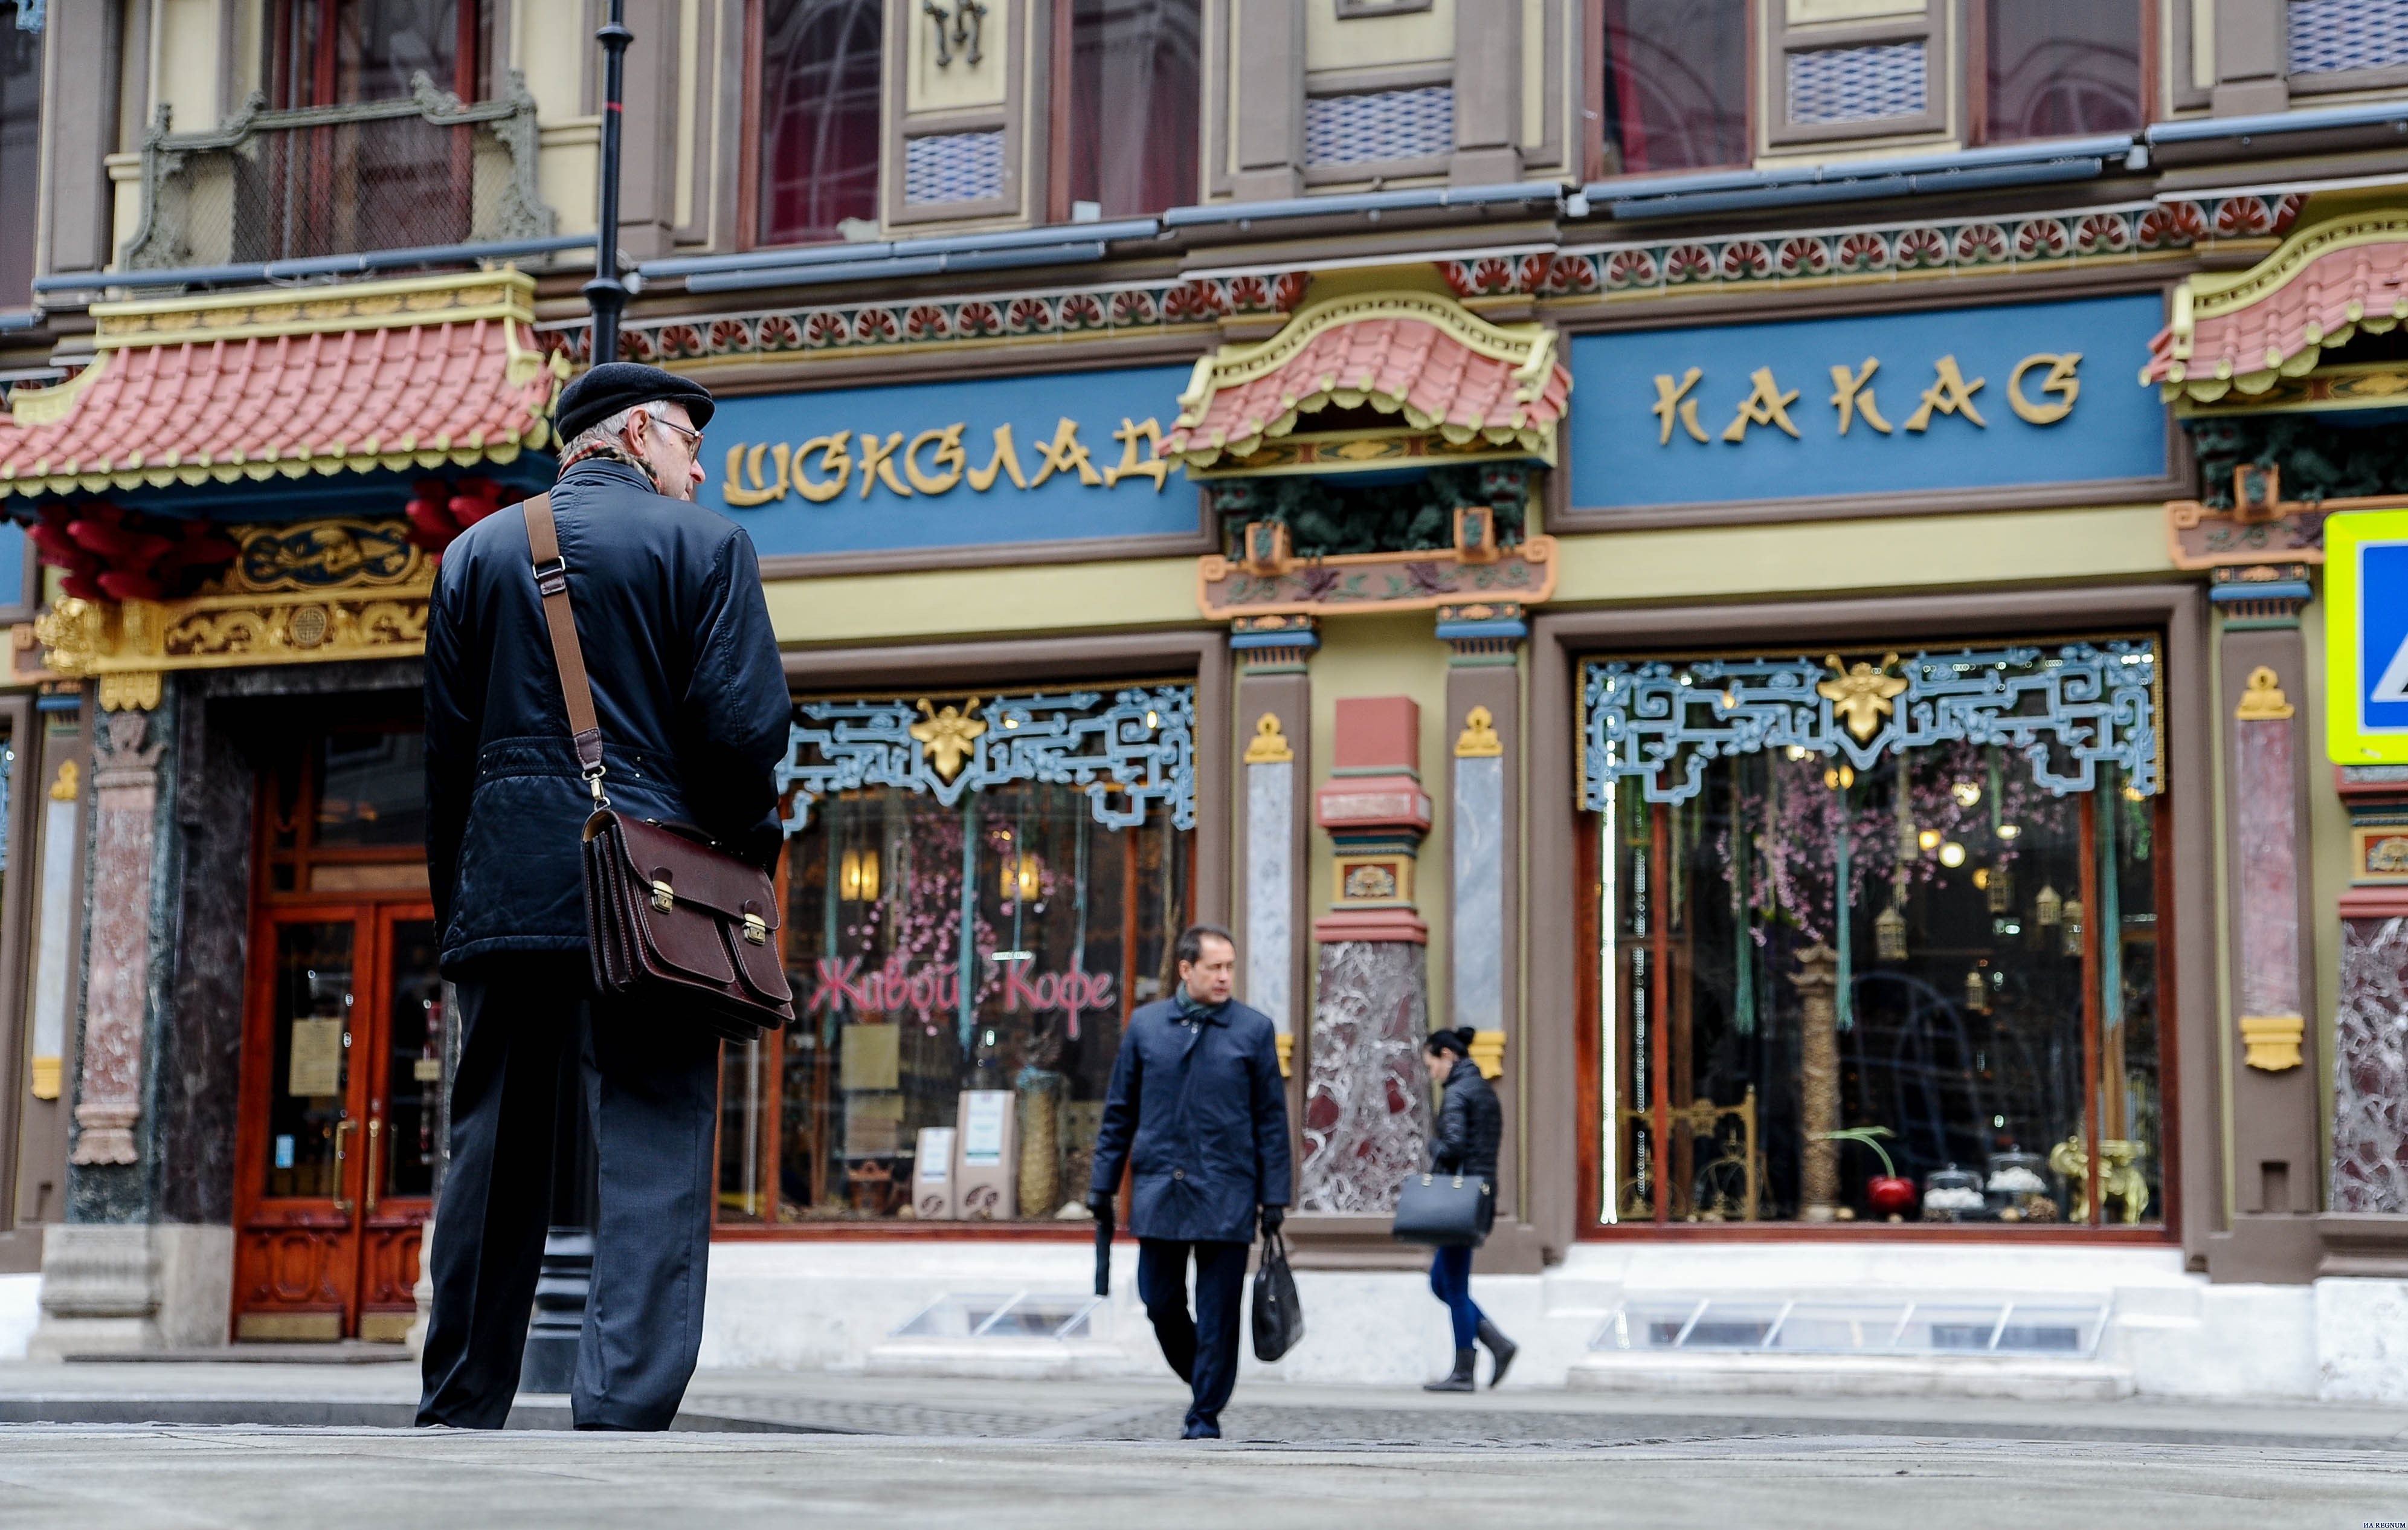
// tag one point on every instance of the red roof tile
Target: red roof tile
(2323, 285)
(397, 375)
(1441, 367)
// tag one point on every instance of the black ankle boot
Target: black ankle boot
(1500, 1350)
(1459, 1379)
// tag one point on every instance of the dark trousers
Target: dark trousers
(1202, 1350)
(650, 1083)
(1451, 1283)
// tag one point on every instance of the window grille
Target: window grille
(1376, 126)
(1856, 84)
(953, 167)
(2329, 37)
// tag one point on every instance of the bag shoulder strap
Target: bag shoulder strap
(551, 583)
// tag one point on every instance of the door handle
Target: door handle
(342, 1201)
(376, 1129)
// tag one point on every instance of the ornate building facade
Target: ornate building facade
(1769, 558)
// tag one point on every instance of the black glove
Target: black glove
(1272, 1217)
(1101, 1203)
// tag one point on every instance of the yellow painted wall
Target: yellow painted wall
(2017, 548)
(1386, 656)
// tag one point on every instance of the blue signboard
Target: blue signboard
(2366, 637)
(1981, 398)
(989, 462)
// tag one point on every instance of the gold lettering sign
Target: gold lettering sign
(2043, 402)
(935, 461)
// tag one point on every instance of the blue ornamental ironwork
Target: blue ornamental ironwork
(1131, 751)
(2066, 709)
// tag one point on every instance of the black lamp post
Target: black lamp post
(566, 1276)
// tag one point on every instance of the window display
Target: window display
(1878, 937)
(976, 896)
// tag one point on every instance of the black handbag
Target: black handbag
(1443, 1211)
(1279, 1322)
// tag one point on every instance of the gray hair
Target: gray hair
(603, 431)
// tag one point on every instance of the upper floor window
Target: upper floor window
(2054, 68)
(819, 125)
(325, 53)
(20, 138)
(1675, 85)
(1135, 88)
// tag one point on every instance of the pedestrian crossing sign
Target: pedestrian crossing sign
(2366, 637)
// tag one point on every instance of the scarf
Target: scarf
(1195, 1009)
(611, 452)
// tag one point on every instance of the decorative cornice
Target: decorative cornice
(1903, 251)
(454, 298)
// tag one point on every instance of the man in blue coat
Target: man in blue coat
(690, 697)
(1198, 1106)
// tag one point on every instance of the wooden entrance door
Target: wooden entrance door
(335, 1169)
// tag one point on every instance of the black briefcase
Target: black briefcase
(1278, 1323)
(1443, 1211)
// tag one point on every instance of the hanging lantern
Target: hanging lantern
(848, 876)
(2073, 911)
(1889, 934)
(2047, 908)
(2001, 889)
(1977, 993)
(1968, 793)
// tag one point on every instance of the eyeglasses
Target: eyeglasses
(692, 437)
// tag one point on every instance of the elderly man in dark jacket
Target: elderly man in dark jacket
(1197, 1104)
(691, 702)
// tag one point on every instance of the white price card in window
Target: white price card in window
(982, 1128)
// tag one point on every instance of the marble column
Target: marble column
(126, 787)
(1274, 715)
(1483, 706)
(2370, 1125)
(1366, 1098)
(2276, 1144)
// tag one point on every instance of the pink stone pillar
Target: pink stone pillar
(2274, 1129)
(125, 789)
(1366, 1096)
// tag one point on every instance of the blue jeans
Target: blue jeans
(1451, 1283)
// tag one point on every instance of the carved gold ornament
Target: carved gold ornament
(1479, 739)
(2273, 1041)
(2263, 701)
(949, 735)
(68, 785)
(344, 588)
(1862, 694)
(1268, 746)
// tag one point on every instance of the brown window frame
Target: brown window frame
(1977, 68)
(1592, 149)
(1780, 39)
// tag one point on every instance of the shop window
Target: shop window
(371, 183)
(1877, 938)
(1675, 85)
(2055, 68)
(1134, 92)
(976, 897)
(344, 811)
(820, 78)
(20, 163)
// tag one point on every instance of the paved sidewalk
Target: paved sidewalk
(381, 1394)
(270, 1480)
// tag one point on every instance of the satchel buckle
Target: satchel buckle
(756, 929)
(552, 577)
(663, 896)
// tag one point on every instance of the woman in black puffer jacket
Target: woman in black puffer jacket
(1469, 1125)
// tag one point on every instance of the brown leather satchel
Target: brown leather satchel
(669, 916)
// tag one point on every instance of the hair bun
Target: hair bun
(1465, 1034)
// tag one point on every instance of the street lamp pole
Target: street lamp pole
(605, 295)
(565, 1280)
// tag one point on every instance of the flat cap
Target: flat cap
(595, 396)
